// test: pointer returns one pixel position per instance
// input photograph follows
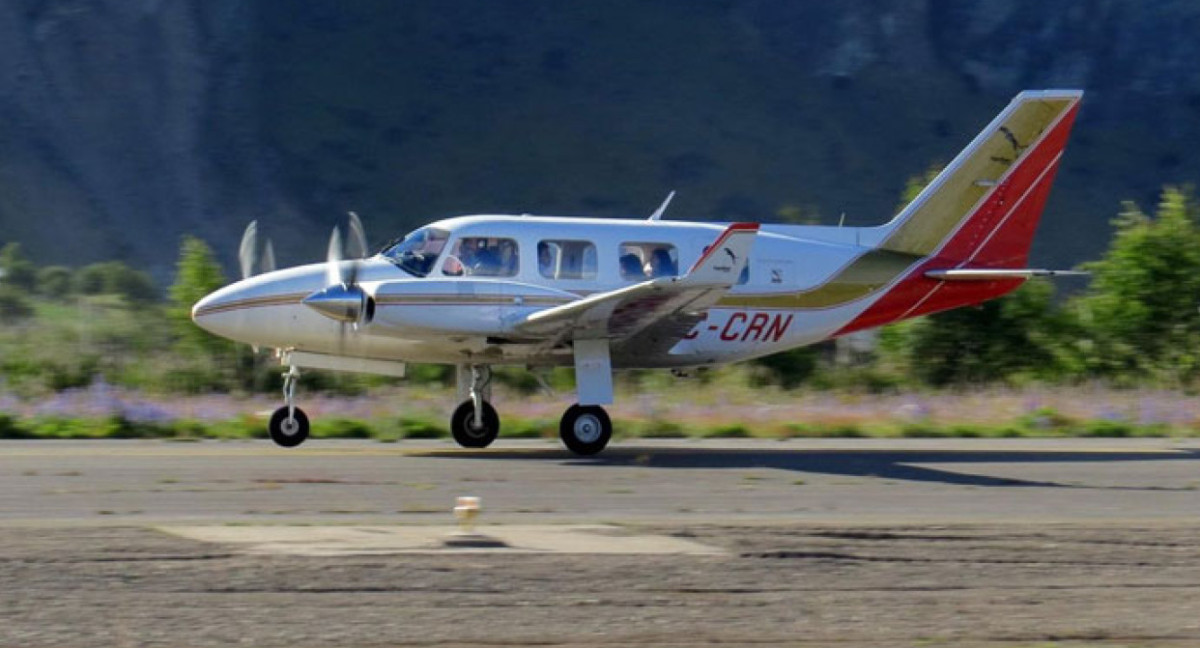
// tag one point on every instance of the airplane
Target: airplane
(604, 295)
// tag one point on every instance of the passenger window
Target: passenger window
(482, 256)
(640, 261)
(567, 259)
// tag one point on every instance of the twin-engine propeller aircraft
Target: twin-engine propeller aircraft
(604, 294)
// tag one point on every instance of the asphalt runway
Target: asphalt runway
(854, 481)
(974, 543)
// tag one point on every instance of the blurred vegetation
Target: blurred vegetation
(1136, 323)
(1041, 424)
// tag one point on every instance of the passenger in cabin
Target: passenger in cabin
(545, 260)
(631, 267)
(482, 259)
(508, 258)
(661, 264)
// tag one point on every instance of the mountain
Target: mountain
(125, 124)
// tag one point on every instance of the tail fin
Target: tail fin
(979, 213)
(985, 205)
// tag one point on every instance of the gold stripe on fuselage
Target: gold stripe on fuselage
(861, 277)
(252, 302)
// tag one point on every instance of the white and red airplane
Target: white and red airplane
(607, 294)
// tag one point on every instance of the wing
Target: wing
(670, 304)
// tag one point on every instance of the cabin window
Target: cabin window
(639, 261)
(566, 259)
(482, 256)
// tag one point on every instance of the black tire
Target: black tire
(288, 433)
(585, 429)
(468, 436)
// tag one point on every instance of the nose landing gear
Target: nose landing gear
(475, 423)
(289, 424)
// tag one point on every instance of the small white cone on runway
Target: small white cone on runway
(467, 509)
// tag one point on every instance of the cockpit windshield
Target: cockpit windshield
(417, 253)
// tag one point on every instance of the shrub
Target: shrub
(530, 429)
(116, 278)
(660, 429)
(13, 305)
(843, 431)
(1109, 429)
(414, 428)
(54, 281)
(340, 428)
(734, 431)
(10, 428)
(1045, 418)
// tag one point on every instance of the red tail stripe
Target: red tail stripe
(994, 235)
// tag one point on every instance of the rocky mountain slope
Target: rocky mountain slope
(125, 124)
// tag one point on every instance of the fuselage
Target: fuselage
(448, 305)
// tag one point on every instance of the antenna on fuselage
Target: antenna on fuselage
(662, 209)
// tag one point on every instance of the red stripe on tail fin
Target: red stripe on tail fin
(997, 234)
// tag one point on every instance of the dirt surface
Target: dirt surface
(799, 585)
(1070, 544)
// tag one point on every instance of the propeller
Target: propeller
(342, 298)
(248, 250)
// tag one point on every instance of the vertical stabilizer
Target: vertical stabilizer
(979, 213)
(1013, 159)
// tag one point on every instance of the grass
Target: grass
(391, 430)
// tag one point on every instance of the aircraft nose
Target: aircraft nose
(204, 311)
(220, 312)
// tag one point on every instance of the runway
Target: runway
(846, 481)
(971, 543)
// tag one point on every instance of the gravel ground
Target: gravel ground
(1113, 584)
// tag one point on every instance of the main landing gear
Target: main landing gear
(289, 424)
(584, 429)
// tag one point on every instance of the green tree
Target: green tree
(116, 278)
(13, 305)
(197, 274)
(1020, 334)
(16, 271)
(788, 369)
(1017, 335)
(916, 184)
(54, 281)
(1141, 315)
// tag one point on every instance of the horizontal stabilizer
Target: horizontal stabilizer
(995, 274)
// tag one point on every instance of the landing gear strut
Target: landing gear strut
(475, 423)
(289, 424)
(585, 429)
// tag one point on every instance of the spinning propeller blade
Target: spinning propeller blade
(356, 241)
(267, 264)
(247, 248)
(333, 269)
(342, 298)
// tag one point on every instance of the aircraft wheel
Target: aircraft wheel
(585, 429)
(286, 431)
(466, 433)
